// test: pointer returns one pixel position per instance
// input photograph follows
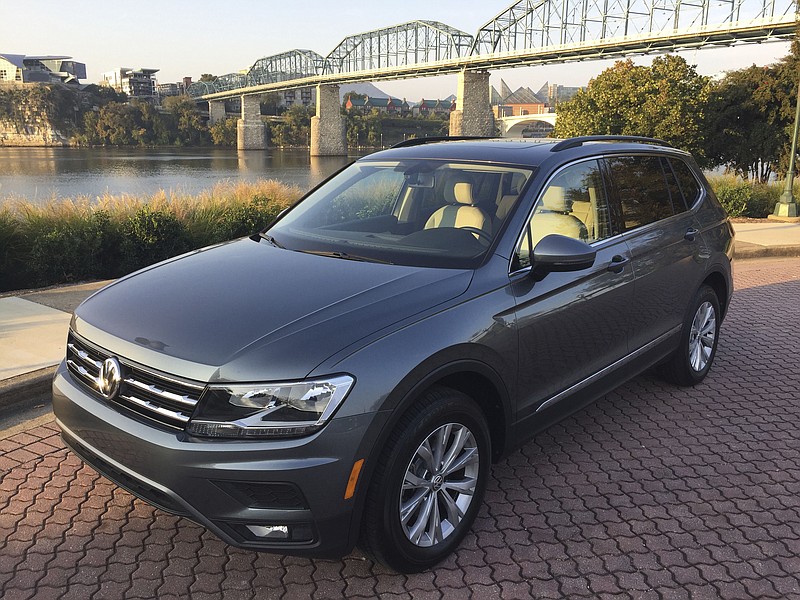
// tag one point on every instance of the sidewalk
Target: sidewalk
(33, 325)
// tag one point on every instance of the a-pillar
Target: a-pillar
(251, 133)
(473, 112)
(216, 111)
(327, 126)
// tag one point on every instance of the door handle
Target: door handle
(618, 263)
(691, 233)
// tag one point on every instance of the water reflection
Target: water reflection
(39, 174)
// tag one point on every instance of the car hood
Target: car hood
(245, 310)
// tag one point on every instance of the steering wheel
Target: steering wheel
(479, 232)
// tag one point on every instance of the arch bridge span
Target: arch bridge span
(518, 126)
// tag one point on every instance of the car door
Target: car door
(663, 240)
(571, 324)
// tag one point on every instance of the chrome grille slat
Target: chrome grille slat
(160, 410)
(84, 357)
(158, 397)
(183, 400)
(81, 372)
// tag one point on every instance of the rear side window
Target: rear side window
(687, 181)
(641, 188)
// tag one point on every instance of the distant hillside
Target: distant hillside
(361, 88)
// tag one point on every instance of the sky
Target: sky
(190, 37)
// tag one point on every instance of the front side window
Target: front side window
(572, 204)
(416, 212)
(641, 187)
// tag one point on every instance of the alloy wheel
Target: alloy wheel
(701, 336)
(439, 484)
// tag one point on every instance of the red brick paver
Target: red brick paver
(652, 492)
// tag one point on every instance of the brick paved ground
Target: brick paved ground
(653, 492)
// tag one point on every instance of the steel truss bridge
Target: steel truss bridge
(529, 32)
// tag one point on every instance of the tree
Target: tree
(665, 100)
(295, 129)
(189, 127)
(208, 77)
(788, 80)
(745, 131)
(115, 124)
(224, 132)
(751, 113)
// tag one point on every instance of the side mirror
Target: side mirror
(558, 253)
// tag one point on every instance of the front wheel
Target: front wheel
(429, 483)
(692, 360)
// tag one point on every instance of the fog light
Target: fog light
(274, 532)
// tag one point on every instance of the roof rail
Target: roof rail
(438, 138)
(580, 141)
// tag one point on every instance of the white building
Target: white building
(137, 83)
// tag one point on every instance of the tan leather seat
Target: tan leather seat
(462, 212)
(585, 211)
(552, 216)
(504, 206)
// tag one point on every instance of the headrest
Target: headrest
(504, 206)
(555, 199)
(463, 193)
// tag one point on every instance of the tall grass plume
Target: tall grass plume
(81, 238)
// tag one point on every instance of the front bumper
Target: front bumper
(225, 485)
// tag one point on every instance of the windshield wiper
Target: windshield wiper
(347, 256)
(267, 238)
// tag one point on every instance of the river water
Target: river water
(41, 174)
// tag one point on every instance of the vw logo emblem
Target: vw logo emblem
(110, 378)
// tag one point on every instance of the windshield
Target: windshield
(416, 212)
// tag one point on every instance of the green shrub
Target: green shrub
(74, 250)
(149, 236)
(10, 240)
(745, 199)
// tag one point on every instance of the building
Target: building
(303, 96)
(441, 108)
(21, 68)
(524, 101)
(139, 83)
(178, 88)
(367, 103)
(556, 94)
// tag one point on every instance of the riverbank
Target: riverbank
(85, 238)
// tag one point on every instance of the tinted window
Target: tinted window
(574, 205)
(675, 193)
(641, 188)
(688, 182)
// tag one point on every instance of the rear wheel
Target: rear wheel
(692, 360)
(429, 483)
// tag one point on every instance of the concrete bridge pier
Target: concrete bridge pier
(251, 133)
(328, 125)
(216, 111)
(473, 113)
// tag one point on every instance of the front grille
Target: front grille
(158, 397)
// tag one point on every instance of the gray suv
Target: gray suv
(349, 374)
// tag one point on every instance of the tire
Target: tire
(691, 362)
(400, 521)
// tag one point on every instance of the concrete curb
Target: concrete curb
(19, 389)
(745, 250)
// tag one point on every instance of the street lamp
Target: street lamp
(786, 208)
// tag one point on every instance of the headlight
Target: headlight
(265, 410)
